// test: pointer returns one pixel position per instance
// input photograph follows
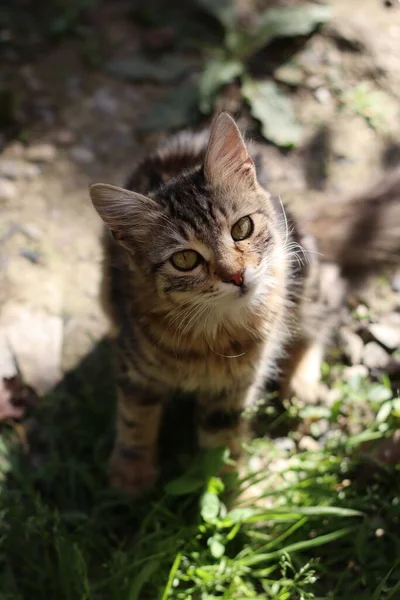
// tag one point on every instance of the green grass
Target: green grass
(326, 524)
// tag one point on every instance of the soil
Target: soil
(82, 127)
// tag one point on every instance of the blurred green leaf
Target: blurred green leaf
(315, 542)
(217, 548)
(177, 108)
(200, 473)
(166, 69)
(292, 21)
(222, 10)
(375, 106)
(212, 460)
(379, 393)
(278, 22)
(186, 484)
(273, 109)
(218, 71)
(209, 506)
(240, 515)
(396, 408)
(384, 412)
(215, 485)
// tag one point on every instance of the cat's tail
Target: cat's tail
(361, 233)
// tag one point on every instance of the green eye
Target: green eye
(186, 260)
(242, 229)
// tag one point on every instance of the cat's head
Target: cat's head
(210, 238)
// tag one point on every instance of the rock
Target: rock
(18, 169)
(82, 155)
(32, 255)
(31, 232)
(374, 356)
(8, 191)
(323, 425)
(329, 396)
(290, 74)
(15, 150)
(35, 339)
(255, 463)
(348, 33)
(361, 312)
(386, 334)
(308, 443)
(355, 371)
(41, 153)
(396, 282)
(353, 345)
(7, 365)
(285, 444)
(159, 38)
(104, 101)
(323, 95)
(65, 137)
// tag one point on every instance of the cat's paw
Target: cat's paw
(132, 477)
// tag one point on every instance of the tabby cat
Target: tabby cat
(211, 293)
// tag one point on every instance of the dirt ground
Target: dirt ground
(84, 130)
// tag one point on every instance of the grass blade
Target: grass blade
(171, 576)
(313, 543)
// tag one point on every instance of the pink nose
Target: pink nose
(235, 278)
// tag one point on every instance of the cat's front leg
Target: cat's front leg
(220, 419)
(133, 465)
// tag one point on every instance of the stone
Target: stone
(352, 344)
(323, 95)
(8, 191)
(18, 169)
(15, 150)
(354, 371)
(104, 101)
(386, 334)
(285, 444)
(82, 155)
(362, 312)
(41, 153)
(374, 356)
(8, 367)
(65, 137)
(35, 340)
(290, 74)
(308, 443)
(396, 281)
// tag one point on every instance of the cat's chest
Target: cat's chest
(216, 372)
(191, 365)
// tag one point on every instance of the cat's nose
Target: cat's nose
(235, 278)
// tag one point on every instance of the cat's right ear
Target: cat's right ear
(127, 214)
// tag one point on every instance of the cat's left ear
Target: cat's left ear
(227, 159)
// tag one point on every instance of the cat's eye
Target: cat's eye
(186, 260)
(242, 229)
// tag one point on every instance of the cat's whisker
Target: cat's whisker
(192, 318)
(285, 220)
